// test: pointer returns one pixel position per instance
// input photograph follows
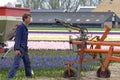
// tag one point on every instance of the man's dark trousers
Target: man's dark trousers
(25, 57)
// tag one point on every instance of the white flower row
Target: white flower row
(44, 45)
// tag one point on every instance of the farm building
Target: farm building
(88, 19)
(108, 12)
(110, 6)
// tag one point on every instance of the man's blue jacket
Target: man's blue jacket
(21, 37)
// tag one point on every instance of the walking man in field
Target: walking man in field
(20, 48)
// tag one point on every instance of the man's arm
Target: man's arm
(18, 36)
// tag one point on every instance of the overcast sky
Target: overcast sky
(3, 2)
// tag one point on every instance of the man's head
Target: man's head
(26, 18)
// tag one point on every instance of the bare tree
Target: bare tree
(69, 5)
(9, 4)
(90, 2)
(34, 4)
(83, 2)
(52, 4)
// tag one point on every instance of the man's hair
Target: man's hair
(25, 16)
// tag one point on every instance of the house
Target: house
(110, 6)
(87, 19)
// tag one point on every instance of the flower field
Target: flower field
(47, 57)
(48, 63)
(47, 60)
(54, 45)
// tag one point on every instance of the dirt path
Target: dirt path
(115, 73)
(91, 75)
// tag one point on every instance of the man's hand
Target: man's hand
(17, 52)
(15, 27)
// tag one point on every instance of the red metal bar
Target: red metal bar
(105, 33)
(1, 50)
(97, 43)
(108, 59)
(114, 58)
(103, 51)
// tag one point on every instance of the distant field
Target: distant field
(63, 28)
(46, 28)
(64, 37)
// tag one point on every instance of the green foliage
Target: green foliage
(46, 72)
(63, 28)
(46, 28)
(20, 75)
(43, 52)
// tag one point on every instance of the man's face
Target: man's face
(28, 20)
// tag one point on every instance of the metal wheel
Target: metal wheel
(73, 73)
(105, 74)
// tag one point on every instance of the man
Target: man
(20, 48)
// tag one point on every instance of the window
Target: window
(87, 20)
(49, 19)
(77, 20)
(97, 20)
(40, 20)
(68, 19)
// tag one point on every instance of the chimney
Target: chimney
(18, 4)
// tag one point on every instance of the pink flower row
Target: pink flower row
(51, 45)
(44, 45)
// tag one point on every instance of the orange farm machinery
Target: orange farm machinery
(93, 47)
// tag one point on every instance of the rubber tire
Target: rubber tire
(106, 74)
(73, 73)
